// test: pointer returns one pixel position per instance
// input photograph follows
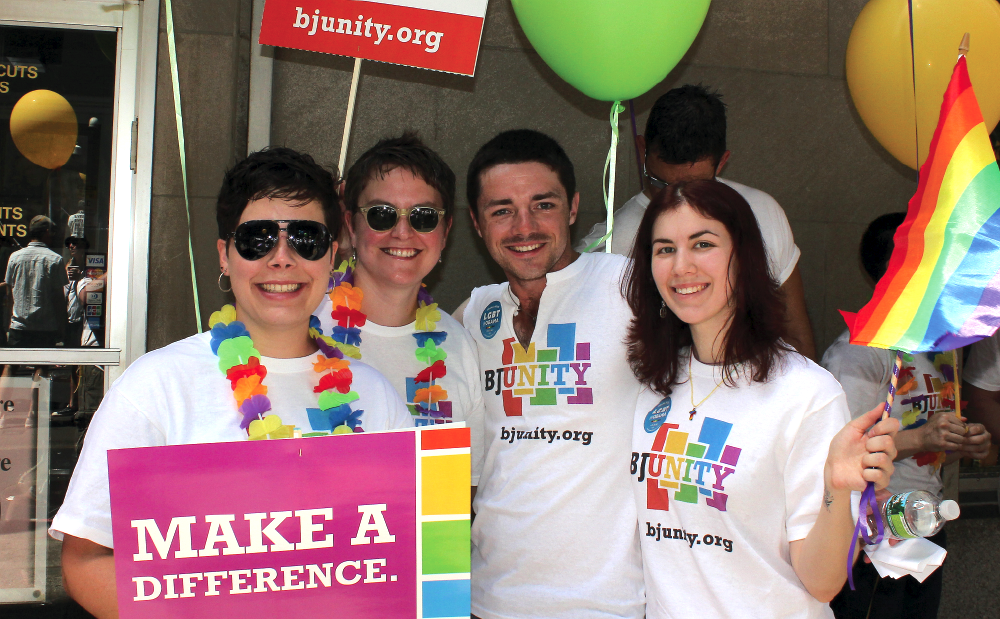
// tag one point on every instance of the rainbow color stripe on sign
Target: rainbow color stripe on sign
(942, 287)
(445, 497)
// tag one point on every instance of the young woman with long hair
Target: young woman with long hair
(743, 458)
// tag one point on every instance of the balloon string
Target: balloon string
(179, 119)
(608, 180)
(635, 140)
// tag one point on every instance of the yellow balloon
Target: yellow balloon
(899, 95)
(43, 126)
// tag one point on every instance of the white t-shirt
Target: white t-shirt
(983, 366)
(865, 373)
(731, 488)
(391, 351)
(177, 396)
(555, 530)
(782, 253)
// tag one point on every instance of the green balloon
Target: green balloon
(611, 50)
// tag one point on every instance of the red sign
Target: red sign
(432, 34)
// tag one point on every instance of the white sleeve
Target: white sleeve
(596, 231)
(626, 225)
(459, 312)
(86, 510)
(862, 371)
(476, 419)
(983, 367)
(397, 414)
(782, 253)
(804, 466)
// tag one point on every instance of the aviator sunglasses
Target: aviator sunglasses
(383, 217)
(256, 239)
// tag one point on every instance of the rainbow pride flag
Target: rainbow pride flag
(942, 287)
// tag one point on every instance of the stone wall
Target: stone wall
(792, 130)
(213, 59)
(778, 63)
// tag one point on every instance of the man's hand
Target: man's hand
(976, 442)
(943, 432)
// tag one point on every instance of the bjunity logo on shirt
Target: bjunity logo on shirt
(543, 376)
(689, 469)
(426, 410)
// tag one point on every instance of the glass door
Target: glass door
(77, 82)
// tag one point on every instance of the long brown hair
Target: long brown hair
(752, 344)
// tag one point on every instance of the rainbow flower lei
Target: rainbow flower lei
(346, 337)
(240, 362)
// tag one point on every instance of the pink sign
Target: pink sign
(432, 34)
(296, 527)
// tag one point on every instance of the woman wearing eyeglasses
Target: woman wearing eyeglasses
(259, 374)
(399, 199)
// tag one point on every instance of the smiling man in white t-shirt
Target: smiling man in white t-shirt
(555, 534)
(685, 140)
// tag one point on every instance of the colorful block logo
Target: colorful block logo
(691, 469)
(544, 376)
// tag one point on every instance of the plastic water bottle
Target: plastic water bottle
(917, 513)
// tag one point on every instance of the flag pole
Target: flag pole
(963, 47)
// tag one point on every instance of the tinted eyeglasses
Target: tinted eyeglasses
(382, 217)
(654, 182)
(256, 239)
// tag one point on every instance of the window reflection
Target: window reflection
(56, 102)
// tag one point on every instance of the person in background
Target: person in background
(400, 196)
(744, 499)
(925, 406)
(685, 139)
(982, 370)
(75, 293)
(555, 531)
(35, 278)
(982, 384)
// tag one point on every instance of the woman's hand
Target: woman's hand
(858, 456)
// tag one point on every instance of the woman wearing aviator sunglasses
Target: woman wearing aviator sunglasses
(399, 196)
(260, 373)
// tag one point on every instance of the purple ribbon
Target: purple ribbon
(635, 140)
(868, 501)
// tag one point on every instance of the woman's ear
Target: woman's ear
(223, 246)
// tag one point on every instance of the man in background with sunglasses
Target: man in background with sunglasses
(555, 532)
(685, 140)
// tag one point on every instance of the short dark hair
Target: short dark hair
(39, 226)
(279, 173)
(754, 335)
(408, 152)
(519, 146)
(686, 125)
(877, 244)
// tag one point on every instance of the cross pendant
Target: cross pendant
(692, 413)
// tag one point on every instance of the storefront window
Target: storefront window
(76, 105)
(57, 94)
